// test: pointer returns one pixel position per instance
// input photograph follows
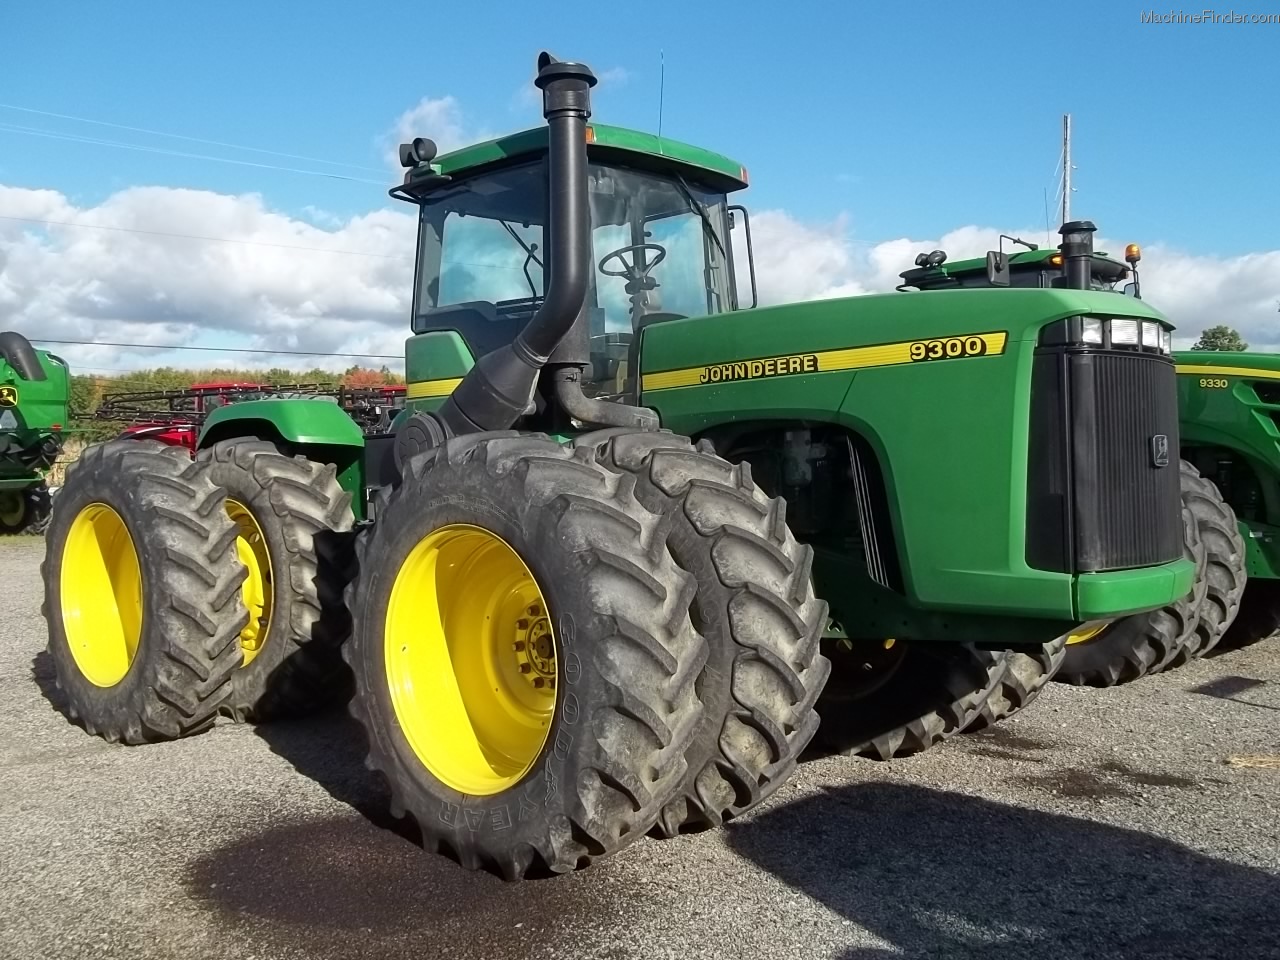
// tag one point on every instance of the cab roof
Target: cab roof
(603, 143)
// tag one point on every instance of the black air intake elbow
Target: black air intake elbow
(499, 389)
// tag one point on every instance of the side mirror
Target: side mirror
(997, 269)
(1130, 289)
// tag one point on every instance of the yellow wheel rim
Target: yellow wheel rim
(101, 592)
(251, 548)
(1085, 632)
(12, 508)
(470, 659)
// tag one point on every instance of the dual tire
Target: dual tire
(675, 631)
(180, 590)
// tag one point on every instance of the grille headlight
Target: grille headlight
(1166, 340)
(1091, 330)
(1151, 334)
(1124, 332)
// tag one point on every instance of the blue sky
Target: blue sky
(912, 119)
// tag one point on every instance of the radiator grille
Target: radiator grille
(1097, 499)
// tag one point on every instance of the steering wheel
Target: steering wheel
(628, 269)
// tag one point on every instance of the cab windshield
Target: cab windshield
(658, 253)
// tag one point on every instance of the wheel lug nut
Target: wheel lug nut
(519, 645)
(539, 682)
(522, 624)
(534, 610)
(525, 668)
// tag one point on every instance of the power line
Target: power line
(32, 131)
(268, 353)
(192, 236)
(179, 136)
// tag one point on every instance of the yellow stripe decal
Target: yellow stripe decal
(1198, 369)
(423, 389)
(851, 358)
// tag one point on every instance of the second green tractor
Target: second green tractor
(636, 541)
(1229, 410)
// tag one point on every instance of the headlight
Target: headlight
(1109, 333)
(1124, 333)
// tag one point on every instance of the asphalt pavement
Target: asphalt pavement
(1098, 824)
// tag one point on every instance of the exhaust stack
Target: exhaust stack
(1077, 253)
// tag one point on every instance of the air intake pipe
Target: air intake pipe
(500, 388)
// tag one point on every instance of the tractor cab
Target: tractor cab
(660, 224)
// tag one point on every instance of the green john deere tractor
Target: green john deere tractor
(1229, 409)
(34, 393)
(632, 542)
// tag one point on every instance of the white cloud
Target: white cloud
(104, 281)
(436, 118)
(796, 261)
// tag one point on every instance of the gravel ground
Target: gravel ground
(1098, 824)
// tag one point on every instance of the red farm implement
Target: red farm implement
(176, 416)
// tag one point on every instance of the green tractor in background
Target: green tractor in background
(1229, 409)
(632, 543)
(34, 394)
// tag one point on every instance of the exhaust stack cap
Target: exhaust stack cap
(565, 86)
(1078, 231)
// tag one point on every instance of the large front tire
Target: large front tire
(756, 608)
(524, 655)
(294, 523)
(142, 593)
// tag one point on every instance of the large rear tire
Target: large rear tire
(883, 704)
(294, 522)
(142, 593)
(524, 655)
(756, 609)
(1107, 653)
